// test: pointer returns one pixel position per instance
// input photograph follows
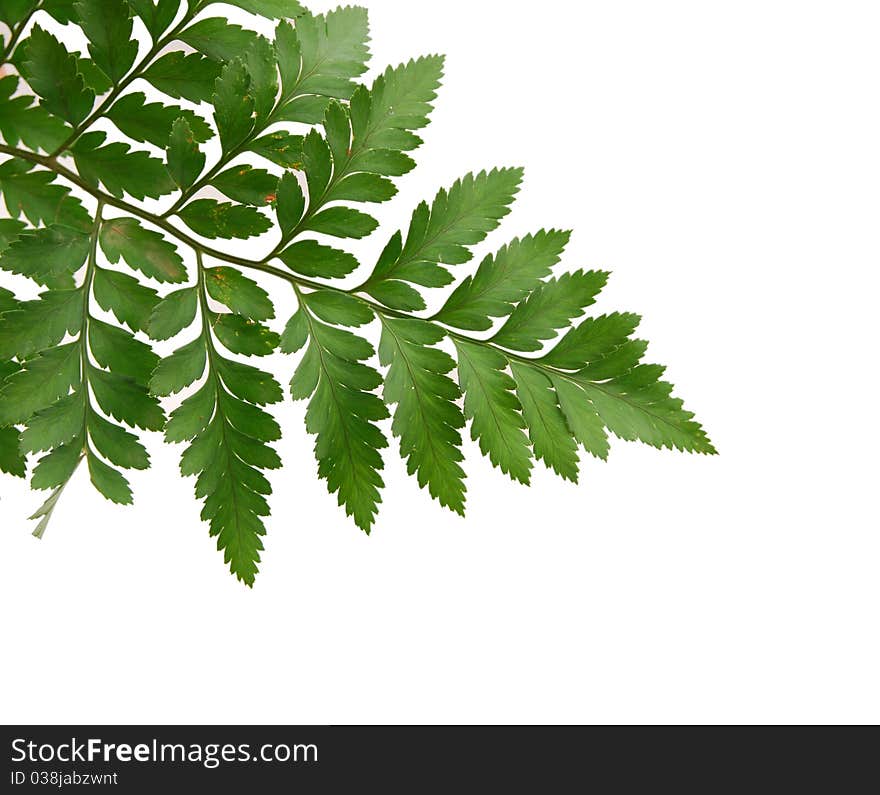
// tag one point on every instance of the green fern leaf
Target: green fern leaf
(142, 249)
(184, 76)
(23, 122)
(220, 40)
(157, 15)
(533, 376)
(36, 196)
(175, 312)
(342, 414)
(551, 438)
(240, 294)
(50, 256)
(108, 27)
(125, 297)
(548, 308)
(229, 436)
(34, 326)
(427, 419)
(152, 121)
(318, 59)
(502, 281)
(120, 169)
(185, 159)
(213, 219)
(15, 11)
(51, 71)
(247, 185)
(494, 410)
(442, 233)
(233, 105)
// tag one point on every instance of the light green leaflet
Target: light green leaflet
(119, 214)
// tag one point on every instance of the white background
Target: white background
(722, 160)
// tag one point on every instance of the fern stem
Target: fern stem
(86, 318)
(261, 265)
(204, 310)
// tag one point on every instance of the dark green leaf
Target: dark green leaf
(52, 73)
(125, 297)
(34, 195)
(213, 219)
(56, 468)
(12, 462)
(342, 414)
(56, 425)
(126, 400)
(33, 125)
(259, 60)
(121, 169)
(142, 249)
(239, 293)
(107, 25)
(13, 12)
(10, 229)
(247, 337)
(290, 205)
(248, 185)
(183, 76)
(157, 15)
(173, 314)
(219, 39)
(296, 333)
(493, 409)
(108, 481)
(249, 383)
(60, 10)
(37, 325)
(50, 256)
(442, 234)
(338, 308)
(185, 159)
(592, 341)
(639, 406)
(192, 416)
(117, 445)
(94, 76)
(502, 281)
(400, 101)
(551, 438)
(552, 306)
(427, 419)
(280, 147)
(342, 222)
(41, 381)
(322, 54)
(581, 416)
(310, 258)
(184, 367)
(233, 105)
(117, 350)
(317, 162)
(152, 121)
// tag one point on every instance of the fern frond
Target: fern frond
(227, 430)
(515, 353)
